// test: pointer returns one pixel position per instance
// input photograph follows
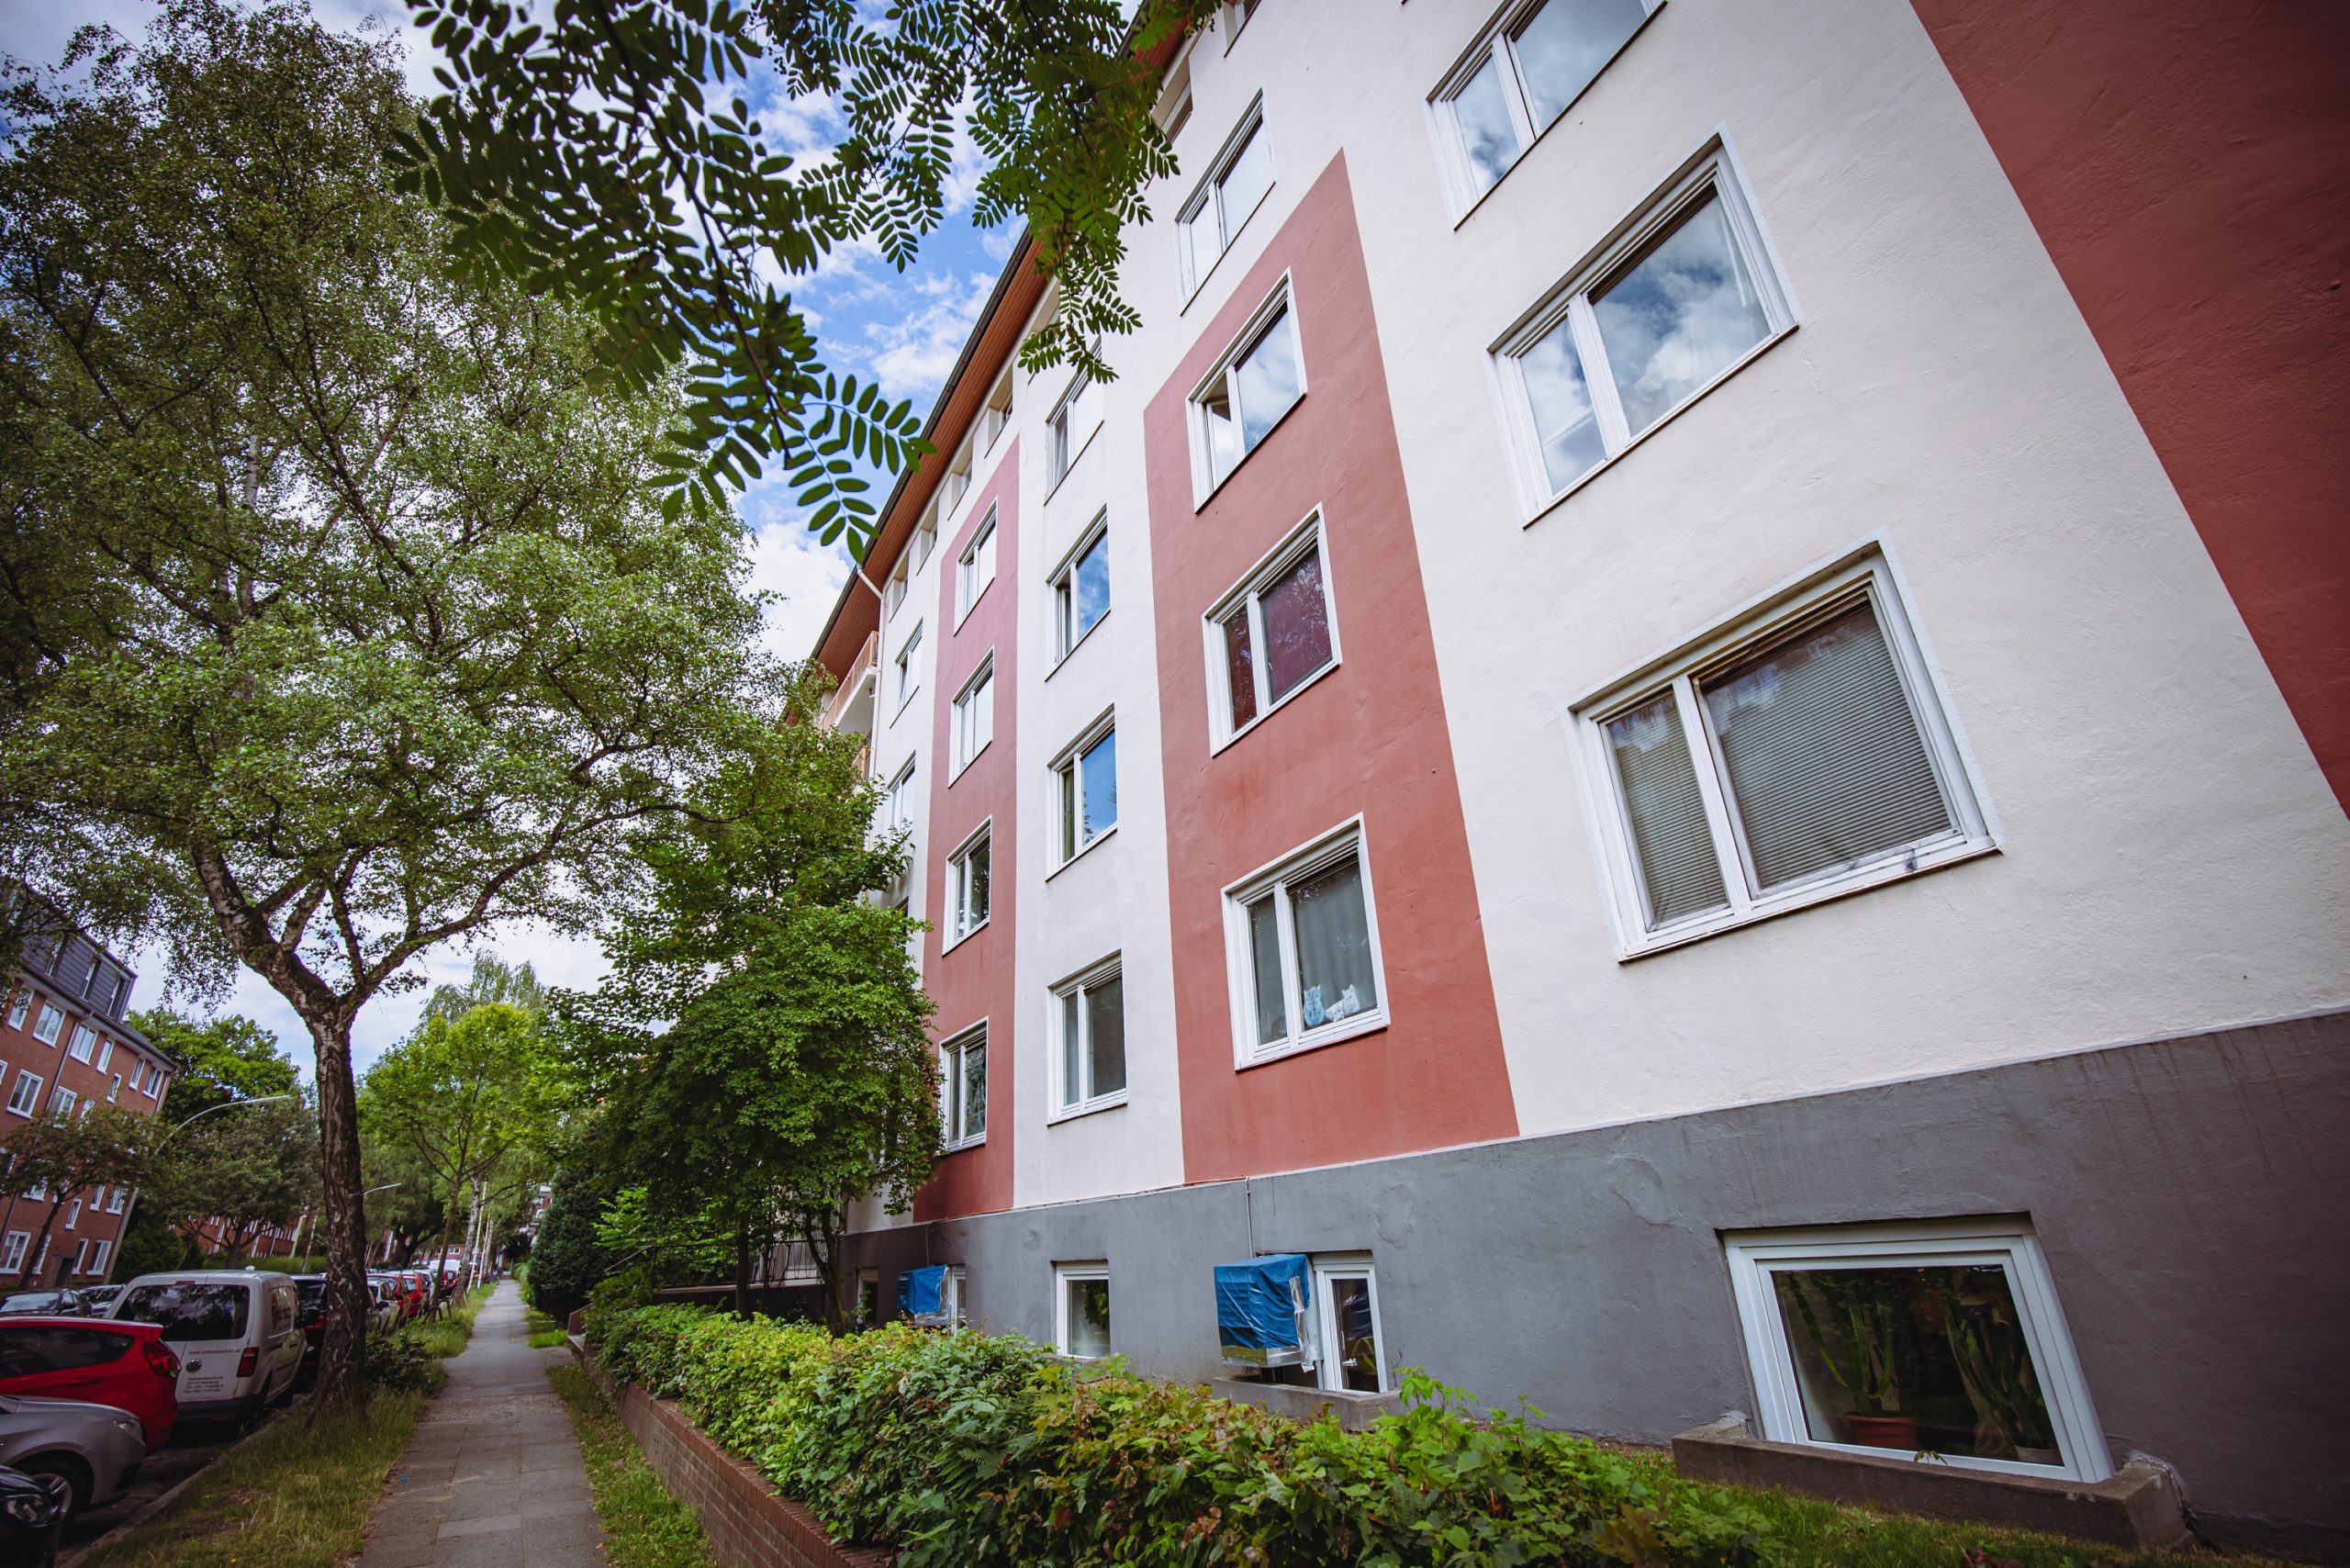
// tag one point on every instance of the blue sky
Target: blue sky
(904, 329)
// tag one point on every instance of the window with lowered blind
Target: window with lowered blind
(1790, 757)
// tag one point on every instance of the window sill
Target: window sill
(965, 766)
(967, 1143)
(1091, 1108)
(1556, 121)
(1691, 401)
(1877, 874)
(1263, 441)
(967, 936)
(1082, 854)
(1287, 697)
(1328, 1034)
(1071, 651)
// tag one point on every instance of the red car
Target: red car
(97, 1361)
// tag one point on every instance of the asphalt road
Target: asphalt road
(194, 1445)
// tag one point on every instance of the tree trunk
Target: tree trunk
(742, 1268)
(340, 1380)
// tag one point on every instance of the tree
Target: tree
(338, 617)
(61, 1155)
(245, 1169)
(759, 1051)
(567, 1258)
(493, 980)
(600, 150)
(229, 1057)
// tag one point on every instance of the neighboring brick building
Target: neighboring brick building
(64, 1041)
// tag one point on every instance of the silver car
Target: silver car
(94, 1449)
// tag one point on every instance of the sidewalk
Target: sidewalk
(493, 1476)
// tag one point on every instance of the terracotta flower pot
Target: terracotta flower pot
(1884, 1431)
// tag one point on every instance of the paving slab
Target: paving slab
(493, 1477)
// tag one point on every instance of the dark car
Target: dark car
(33, 1516)
(98, 1299)
(313, 1312)
(47, 1304)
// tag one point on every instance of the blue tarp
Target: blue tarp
(1260, 1306)
(920, 1291)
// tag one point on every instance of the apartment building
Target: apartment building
(1690, 688)
(67, 1045)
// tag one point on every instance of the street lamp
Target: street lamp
(132, 1208)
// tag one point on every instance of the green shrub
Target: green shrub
(395, 1362)
(963, 1449)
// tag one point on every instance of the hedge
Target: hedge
(959, 1449)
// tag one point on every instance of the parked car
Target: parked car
(33, 1511)
(415, 1297)
(98, 1300)
(96, 1450)
(238, 1331)
(49, 1303)
(310, 1294)
(126, 1365)
(396, 1297)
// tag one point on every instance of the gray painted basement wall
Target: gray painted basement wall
(2189, 1196)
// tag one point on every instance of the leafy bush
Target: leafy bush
(567, 1260)
(963, 1449)
(396, 1362)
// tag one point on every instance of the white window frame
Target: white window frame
(63, 1100)
(960, 928)
(952, 1298)
(1243, 597)
(106, 1053)
(975, 567)
(1753, 1256)
(1714, 170)
(18, 1006)
(1328, 1266)
(73, 1215)
(1278, 305)
(40, 1259)
(1235, 15)
(1065, 440)
(1063, 580)
(114, 1202)
(1067, 769)
(969, 721)
(114, 1091)
(49, 1024)
(1499, 33)
(18, 1241)
(83, 1043)
(996, 416)
(1207, 201)
(925, 540)
(24, 1101)
(1064, 1276)
(1067, 1105)
(1867, 573)
(1316, 854)
(950, 1090)
(895, 801)
(909, 668)
(98, 1257)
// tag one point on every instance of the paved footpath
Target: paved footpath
(492, 1478)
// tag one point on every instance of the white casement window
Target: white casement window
(13, 1263)
(925, 538)
(963, 1089)
(972, 724)
(975, 568)
(113, 1089)
(114, 1204)
(81, 1255)
(1938, 1340)
(1236, 405)
(50, 1024)
(1533, 59)
(17, 1007)
(1070, 427)
(106, 1053)
(26, 1097)
(951, 1297)
(40, 1259)
(98, 1257)
(897, 813)
(1641, 330)
(1233, 186)
(957, 483)
(73, 1215)
(1349, 1354)
(1302, 942)
(909, 666)
(1090, 1019)
(897, 589)
(83, 1044)
(63, 1100)
(1235, 14)
(1271, 635)
(997, 417)
(967, 884)
(1082, 1310)
(1081, 588)
(1085, 786)
(1794, 755)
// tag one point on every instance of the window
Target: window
(1090, 1014)
(950, 1297)
(83, 1042)
(41, 1257)
(1085, 778)
(13, 1263)
(106, 1053)
(1518, 78)
(1792, 757)
(974, 718)
(957, 483)
(1271, 635)
(1082, 1310)
(1246, 394)
(98, 1257)
(975, 568)
(1347, 1312)
(997, 417)
(51, 1025)
(897, 801)
(963, 1089)
(1234, 185)
(909, 666)
(1081, 588)
(1070, 425)
(897, 591)
(1635, 337)
(63, 1100)
(1936, 1338)
(1236, 14)
(26, 1094)
(73, 1217)
(925, 538)
(1303, 952)
(114, 1204)
(868, 1298)
(113, 1089)
(19, 1007)
(966, 871)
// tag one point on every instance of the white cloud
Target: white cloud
(912, 350)
(804, 575)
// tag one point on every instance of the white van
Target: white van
(238, 1332)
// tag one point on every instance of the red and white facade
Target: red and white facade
(1867, 783)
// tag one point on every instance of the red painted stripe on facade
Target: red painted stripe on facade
(1370, 738)
(2187, 166)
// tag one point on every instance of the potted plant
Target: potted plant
(1854, 1320)
(1978, 1316)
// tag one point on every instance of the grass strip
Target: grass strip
(297, 1496)
(547, 1338)
(446, 1335)
(645, 1526)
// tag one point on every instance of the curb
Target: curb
(154, 1505)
